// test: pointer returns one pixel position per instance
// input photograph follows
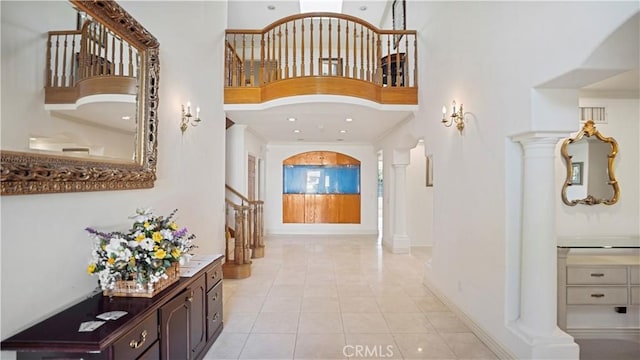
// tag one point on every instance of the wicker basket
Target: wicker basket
(130, 288)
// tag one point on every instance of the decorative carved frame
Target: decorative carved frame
(34, 173)
(589, 130)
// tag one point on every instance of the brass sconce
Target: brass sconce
(187, 118)
(457, 117)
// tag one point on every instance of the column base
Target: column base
(399, 244)
(557, 345)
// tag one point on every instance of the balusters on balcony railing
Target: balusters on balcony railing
(321, 45)
(94, 51)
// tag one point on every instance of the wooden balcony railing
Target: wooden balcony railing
(321, 53)
(90, 61)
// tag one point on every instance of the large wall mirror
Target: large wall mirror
(84, 113)
(590, 157)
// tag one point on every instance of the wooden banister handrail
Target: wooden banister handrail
(237, 193)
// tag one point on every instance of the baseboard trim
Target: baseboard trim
(494, 345)
(605, 333)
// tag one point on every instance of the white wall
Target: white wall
(420, 200)
(489, 59)
(276, 153)
(620, 219)
(43, 243)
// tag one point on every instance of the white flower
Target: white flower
(147, 244)
(167, 234)
(142, 215)
(133, 244)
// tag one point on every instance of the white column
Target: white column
(400, 242)
(538, 294)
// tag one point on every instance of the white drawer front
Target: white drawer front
(635, 295)
(635, 275)
(585, 275)
(593, 295)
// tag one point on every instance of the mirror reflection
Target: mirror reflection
(91, 88)
(80, 81)
(589, 158)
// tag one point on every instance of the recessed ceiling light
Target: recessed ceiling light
(126, 118)
(296, 131)
(301, 139)
(292, 119)
(363, 8)
(343, 131)
(271, 7)
(348, 119)
(339, 139)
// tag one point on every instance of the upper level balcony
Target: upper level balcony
(321, 53)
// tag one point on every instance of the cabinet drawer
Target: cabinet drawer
(214, 275)
(635, 275)
(136, 341)
(580, 275)
(592, 295)
(635, 295)
(153, 353)
(214, 310)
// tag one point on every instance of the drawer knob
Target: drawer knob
(215, 274)
(597, 275)
(215, 296)
(215, 316)
(134, 344)
(597, 295)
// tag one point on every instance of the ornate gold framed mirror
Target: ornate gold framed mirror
(589, 157)
(32, 170)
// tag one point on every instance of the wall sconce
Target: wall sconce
(457, 117)
(187, 118)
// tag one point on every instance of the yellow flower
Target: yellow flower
(160, 254)
(132, 260)
(146, 224)
(111, 261)
(140, 237)
(155, 248)
(175, 253)
(157, 237)
(173, 226)
(91, 268)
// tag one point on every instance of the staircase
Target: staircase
(244, 234)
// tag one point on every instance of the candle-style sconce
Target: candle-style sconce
(457, 116)
(187, 118)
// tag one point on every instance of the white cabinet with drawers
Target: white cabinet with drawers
(602, 288)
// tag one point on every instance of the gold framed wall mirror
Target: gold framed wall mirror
(28, 169)
(589, 158)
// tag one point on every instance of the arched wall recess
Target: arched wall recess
(589, 157)
(321, 187)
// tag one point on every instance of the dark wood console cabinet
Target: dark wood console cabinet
(181, 322)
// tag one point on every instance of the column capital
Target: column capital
(539, 137)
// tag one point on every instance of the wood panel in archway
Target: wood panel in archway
(321, 187)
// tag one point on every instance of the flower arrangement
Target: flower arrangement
(143, 253)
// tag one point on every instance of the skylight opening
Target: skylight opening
(334, 6)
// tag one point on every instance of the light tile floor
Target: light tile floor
(339, 297)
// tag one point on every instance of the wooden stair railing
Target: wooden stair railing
(93, 60)
(325, 51)
(255, 221)
(237, 251)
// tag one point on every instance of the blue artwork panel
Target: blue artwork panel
(317, 179)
